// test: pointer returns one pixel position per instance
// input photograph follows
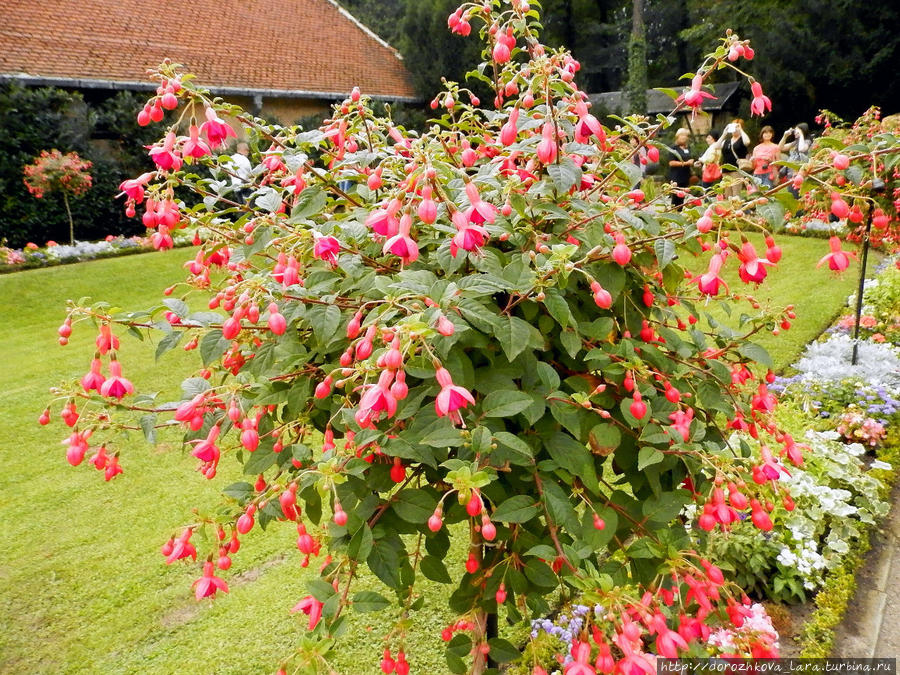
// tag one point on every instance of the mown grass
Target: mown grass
(818, 295)
(82, 585)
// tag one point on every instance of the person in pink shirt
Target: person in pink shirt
(763, 156)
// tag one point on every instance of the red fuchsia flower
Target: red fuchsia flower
(134, 188)
(193, 146)
(773, 250)
(78, 446)
(116, 385)
(377, 399)
(112, 468)
(209, 583)
(327, 249)
(93, 379)
(770, 469)
(165, 156)
(100, 458)
(480, 211)
(837, 260)
(602, 297)
(276, 321)
(427, 211)
(106, 340)
(579, 665)
(763, 401)
(668, 642)
(546, 149)
(621, 253)
(587, 125)
(451, 398)
(510, 130)
(207, 452)
(501, 52)
(161, 239)
(752, 268)
(311, 607)
(693, 97)
(709, 283)
(401, 244)
(384, 221)
(216, 131)
(839, 207)
(470, 237)
(760, 103)
(681, 422)
(177, 549)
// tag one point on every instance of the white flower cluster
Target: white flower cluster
(81, 249)
(805, 560)
(877, 364)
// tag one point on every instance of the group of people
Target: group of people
(732, 147)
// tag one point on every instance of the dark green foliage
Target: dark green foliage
(106, 133)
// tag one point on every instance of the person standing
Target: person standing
(711, 161)
(734, 144)
(764, 154)
(680, 167)
(240, 180)
(795, 142)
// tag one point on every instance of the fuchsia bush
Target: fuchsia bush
(492, 330)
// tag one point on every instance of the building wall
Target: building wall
(284, 110)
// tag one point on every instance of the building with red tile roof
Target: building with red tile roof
(286, 58)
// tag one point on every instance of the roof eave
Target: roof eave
(134, 85)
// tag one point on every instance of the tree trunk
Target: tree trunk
(636, 84)
(71, 224)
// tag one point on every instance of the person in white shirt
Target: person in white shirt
(241, 178)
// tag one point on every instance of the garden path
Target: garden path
(871, 626)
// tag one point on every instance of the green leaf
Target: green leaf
(320, 589)
(433, 568)
(539, 573)
(648, 457)
(565, 174)
(514, 335)
(193, 386)
(571, 455)
(360, 543)
(503, 651)
(665, 252)
(518, 509)
(754, 352)
(632, 172)
(445, 436)
(370, 601)
(414, 506)
(773, 212)
(259, 461)
(212, 346)
(148, 426)
(514, 443)
(384, 562)
(664, 508)
(240, 491)
(311, 201)
(179, 307)
(325, 322)
(559, 507)
(269, 199)
(571, 342)
(505, 403)
(170, 341)
(558, 308)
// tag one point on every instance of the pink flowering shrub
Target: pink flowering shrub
(486, 325)
(856, 427)
(55, 172)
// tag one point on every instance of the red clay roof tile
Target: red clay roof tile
(283, 45)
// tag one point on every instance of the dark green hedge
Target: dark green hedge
(104, 131)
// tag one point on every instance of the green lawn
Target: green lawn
(83, 588)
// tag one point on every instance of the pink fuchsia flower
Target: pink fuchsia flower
(451, 398)
(193, 146)
(78, 446)
(427, 211)
(579, 665)
(165, 156)
(480, 211)
(752, 268)
(709, 283)
(509, 130)
(205, 449)
(587, 125)
(760, 103)
(177, 549)
(377, 399)
(209, 583)
(93, 379)
(470, 237)
(546, 149)
(327, 249)
(693, 97)
(116, 386)
(216, 131)
(311, 607)
(112, 468)
(134, 188)
(838, 260)
(384, 221)
(401, 244)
